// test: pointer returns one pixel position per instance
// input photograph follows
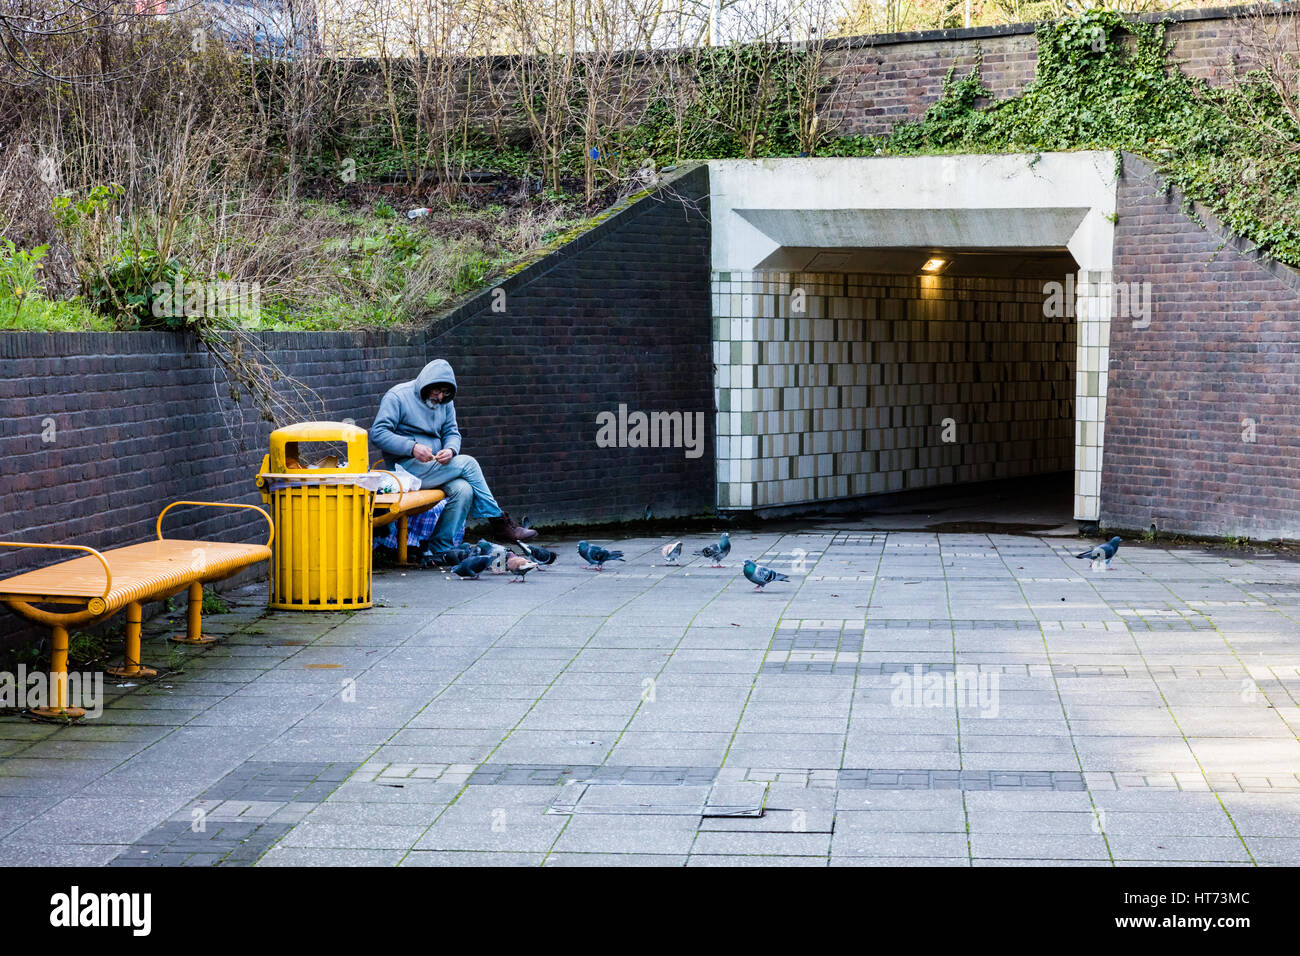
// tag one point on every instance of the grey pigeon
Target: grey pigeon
(716, 552)
(448, 558)
(542, 556)
(487, 547)
(762, 576)
(499, 559)
(596, 556)
(520, 566)
(1102, 552)
(472, 566)
(672, 552)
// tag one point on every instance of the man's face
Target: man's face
(436, 394)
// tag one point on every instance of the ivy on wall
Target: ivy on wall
(1104, 82)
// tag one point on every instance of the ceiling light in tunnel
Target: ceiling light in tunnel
(934, 266)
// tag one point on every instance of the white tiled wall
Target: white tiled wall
(1093, 308)
(849, 396)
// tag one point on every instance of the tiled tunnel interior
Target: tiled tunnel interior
(834, 385)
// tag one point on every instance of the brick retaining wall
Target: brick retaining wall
(1221, 348)
(882, 80)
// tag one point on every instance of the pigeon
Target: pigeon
(519, 565)
(672, 552)
(472, 566)
(498, 553)
(526, 523)
(1101, 552)
(448, 558)
(762, 576)
(596, 556)
(542, 556)
(487, 547)
(716, 552)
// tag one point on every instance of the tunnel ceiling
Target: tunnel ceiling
(987, 227)
(1000, 263)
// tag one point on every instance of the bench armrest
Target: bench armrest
(108, 575)
(217, 504)
(397, 483)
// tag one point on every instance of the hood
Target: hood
(439, 370)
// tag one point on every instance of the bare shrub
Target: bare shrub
(27, 221)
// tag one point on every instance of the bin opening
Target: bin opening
(315, 454)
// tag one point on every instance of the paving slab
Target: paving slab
(906, 698)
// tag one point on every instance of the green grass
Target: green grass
(23, 304)
(38, 314)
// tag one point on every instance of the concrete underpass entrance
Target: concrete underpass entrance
(887, 325)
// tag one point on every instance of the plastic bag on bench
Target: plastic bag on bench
(383, 484)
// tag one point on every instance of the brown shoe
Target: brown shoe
(505, 530)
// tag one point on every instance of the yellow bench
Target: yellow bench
(399, 507)
(105, 582)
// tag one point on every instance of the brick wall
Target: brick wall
(882, 80)
(1221, 347)
(100, 429)
(621, 315)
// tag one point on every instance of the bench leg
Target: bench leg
(194, 619)
(131, 662)
(59, 678)
(401, 540)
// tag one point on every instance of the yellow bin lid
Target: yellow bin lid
(284, 446)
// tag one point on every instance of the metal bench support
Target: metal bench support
(194, 619)
(131, 660)
(59, 678)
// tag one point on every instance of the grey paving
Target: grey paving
(906, 699)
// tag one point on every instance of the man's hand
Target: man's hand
(444, 456)
(422, 453)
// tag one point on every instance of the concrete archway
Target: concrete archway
(892, 323)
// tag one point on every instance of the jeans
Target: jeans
(467, 491)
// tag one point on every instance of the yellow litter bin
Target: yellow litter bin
(321, 557)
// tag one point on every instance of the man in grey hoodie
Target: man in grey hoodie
(416, 428)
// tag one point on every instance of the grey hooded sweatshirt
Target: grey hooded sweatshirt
(404, 420)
